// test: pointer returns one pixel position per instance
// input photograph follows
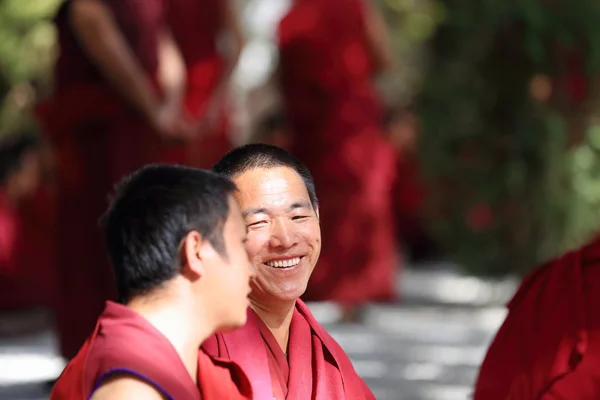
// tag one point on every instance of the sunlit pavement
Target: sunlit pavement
(427, 348)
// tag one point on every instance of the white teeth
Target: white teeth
(284, 263)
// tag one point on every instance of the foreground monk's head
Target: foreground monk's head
(177, 233)
(277, 197)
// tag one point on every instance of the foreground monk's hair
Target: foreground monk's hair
(151, 213)
(259, 155)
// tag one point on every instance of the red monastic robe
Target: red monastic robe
(335, 119)
(125, 342)
(316, 367)
(99, 139)
(196, 25)
(10, 227)
(27, 253)
(549, 345)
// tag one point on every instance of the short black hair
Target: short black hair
(151, 212)
(12, 150)
(260, 155)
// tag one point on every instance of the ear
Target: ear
(193, 254)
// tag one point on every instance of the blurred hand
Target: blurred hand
(172, 126)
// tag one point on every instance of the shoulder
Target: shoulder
(565, 269)
(125, 387)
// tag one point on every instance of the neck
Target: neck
(277, 318)
(171, 317)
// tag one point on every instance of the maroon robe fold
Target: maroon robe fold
(99, 139)
(335, 119)
(125, 342)
(549, 345)
(317, 369)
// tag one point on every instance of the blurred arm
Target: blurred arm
(172, 73)
(99, 35)
(233, 29)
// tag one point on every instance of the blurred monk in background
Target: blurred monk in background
(330, 51)
(201, 28)
(115, 107)
(409, 192)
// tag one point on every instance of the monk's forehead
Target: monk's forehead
(270, 186)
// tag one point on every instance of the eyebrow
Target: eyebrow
(264, 210)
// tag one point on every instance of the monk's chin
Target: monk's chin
(291, 295)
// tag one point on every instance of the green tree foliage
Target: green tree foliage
(27, 40)
(506, 144)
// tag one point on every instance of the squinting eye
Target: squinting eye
(257, 223)
(299, 217)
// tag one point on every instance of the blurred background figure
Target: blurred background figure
(210, 38)
(408, 193)
(329, 54)
(114, 108)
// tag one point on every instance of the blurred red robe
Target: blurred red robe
(27, 252)
(335, 118)
(549, 345)
(196, 25)
(10, 229)
(99, 139)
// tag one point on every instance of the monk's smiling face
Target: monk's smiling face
(284, 238)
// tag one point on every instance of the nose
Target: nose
(282, 235)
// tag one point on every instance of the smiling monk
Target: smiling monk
(284, 351)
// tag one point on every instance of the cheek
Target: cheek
(256, 242)
(311, 234)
